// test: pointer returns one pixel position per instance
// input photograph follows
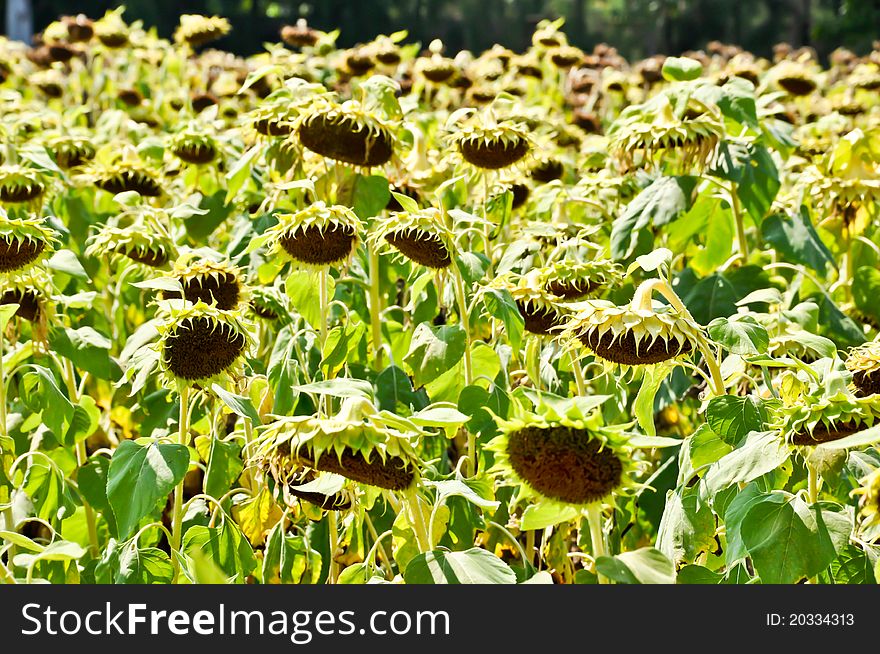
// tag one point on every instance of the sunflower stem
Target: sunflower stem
(812, 483)
(464, 319)
(81, 458)
(375, 309)
(742, 242)
(418, 521)
(530, 546)
(594, 518)
(325, 401)
(578, 373)
(8, 519)
(333, 533)
(177, 512)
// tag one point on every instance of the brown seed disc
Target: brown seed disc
(550, 41)
(263, 311)
(482, 96)
(797, 85)
(131, 180)
(225, 290)
(871, 84)
(320, 248)
(52, 89)
(298, 36)
(344, 139)
(15, 254)
(564, 464)
(272, 127)
(425, 249)
(438, 74)
(388, 57)
(527, 70)
(28, 303)
(130, 97)
(539, 320)
(204, 36)
(72, 157)
(201, 348)
(824, 434)
(113, 39)
(61, 52)
(18, 193)
(334, 502)
(547, 171)
(493, 155)
(867, 382)
(564, 60)
(587, 121)
(79, 28)
(392, 474)
(359, 64)
(197, 153)
(520, 195)
(570, 290)
(623, 349)
(150, 258)
(202, 101)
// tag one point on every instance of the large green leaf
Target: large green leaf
(643, 566)
(140, 476)
(732, 416)
(687, 527)
(741, 335)
(434, 350)
(148, 565)
(760, 453)
(225, 546)
(473, 566)
(796, 239)
(500, 305)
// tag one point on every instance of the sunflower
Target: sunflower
(134, 237)
(71, 150)
(488, 144)
(194, 147)
(635, 334)
(561, 456)
(122, 176)
(210, 282)
(347, 133)
(111, 30)
(355, 443)
(420, 236)
(542, 312)
(869, 498)
(436, 68)
(22, 185)
(794, 78)
(817, 419)
(323, 489)
(655, 127)
(196, 30)
(300, 35)
(319, 235)
(200, 344)
(864, 364)
(269, 304)
(32, 291)
(547, 169)
(23, 242)
(572, 279)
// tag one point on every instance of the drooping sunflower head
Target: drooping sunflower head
(547, 169)
(300, 35)
(112, 30)
(488, 144)
(24, 242)
(355, 443)
(657, 127)
(421, 236)
(71, 150)
(317, 236)
(563, 457)
(22, 185)
(820, 417)
(437, 68)
(135, 236)
(218, 284)
(124, 175)
(199, 343)
(293, 485)
(32, 291)
(864, 364)
(566, 56)
(193, 146)
(196, 30)
(572, 279)
(794, 78)
(543, 313)
(633, 335)
(348, 133)
(869, 499)
(269, 304)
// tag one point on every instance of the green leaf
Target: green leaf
(340, 387)
(288, 559)
(238, 404)
(740, 334)
(732, 417)
(541, 516)
(84, 422)
(795, 238)
(643, 566)
(434, 350)
(371, 195)
(660, 203)
(394, 389)
(141, 476)
(716, 296)
(784, 539)
(88, 349)
(40, 392)
(91, 479)
(499, 303)
(148, 565)
(681, 69)
(240, 172)
(750, 166)
(697, 574)
(643, 406)
(473, 566)
(6, 313)
(215, 209)
(224, 466)
(303, 287)
(853, 566)
(225, 546)
(705, 447)
(687, 527)
(65, 261)
(865, 290)
(760, 453)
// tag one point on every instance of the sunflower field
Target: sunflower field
(392, 314)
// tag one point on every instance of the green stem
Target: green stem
(378, 544)
(742, 243)
(8, 519)
(418, 521)
(177, 514)
(461, 299)
(325, 401)
(375, 309)
(812, 483)
(594, 518)
(530, 546)
(578, 373)
(333, 533)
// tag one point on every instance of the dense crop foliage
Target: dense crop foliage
(378, 314)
